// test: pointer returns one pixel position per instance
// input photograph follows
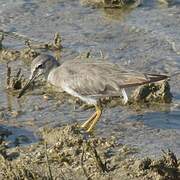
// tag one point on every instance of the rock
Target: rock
(154, 92)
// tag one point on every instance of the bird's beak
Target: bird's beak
(27, 85)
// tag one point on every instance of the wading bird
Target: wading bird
(88, 80)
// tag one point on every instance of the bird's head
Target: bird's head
(41, 66)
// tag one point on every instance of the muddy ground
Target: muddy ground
(69, 153)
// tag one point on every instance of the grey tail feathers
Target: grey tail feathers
(156, 77)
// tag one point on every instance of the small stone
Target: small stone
(46, 97)
(15, 113)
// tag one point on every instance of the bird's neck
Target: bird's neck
(51, 78)
(55, 65)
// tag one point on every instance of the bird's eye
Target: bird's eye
(41, 66)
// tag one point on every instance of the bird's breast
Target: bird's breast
(53, 79)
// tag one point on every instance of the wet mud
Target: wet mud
(68, 153)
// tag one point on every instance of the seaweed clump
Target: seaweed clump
(14, 82)
(158, 92)
(111, 3)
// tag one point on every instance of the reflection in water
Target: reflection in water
(12, 102)
(9, 101)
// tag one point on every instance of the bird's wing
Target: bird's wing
(100, 78)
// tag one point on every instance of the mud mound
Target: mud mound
(153, 92)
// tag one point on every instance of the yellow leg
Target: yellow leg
(95, 119)
(88, 122)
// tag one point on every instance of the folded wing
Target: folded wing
(100, 78)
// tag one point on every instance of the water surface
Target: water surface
(145, 39)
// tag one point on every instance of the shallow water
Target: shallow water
(145, 39)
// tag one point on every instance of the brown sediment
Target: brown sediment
(67, 152)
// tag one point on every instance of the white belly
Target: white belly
(88, 100)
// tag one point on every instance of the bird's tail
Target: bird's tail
(156, 77)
